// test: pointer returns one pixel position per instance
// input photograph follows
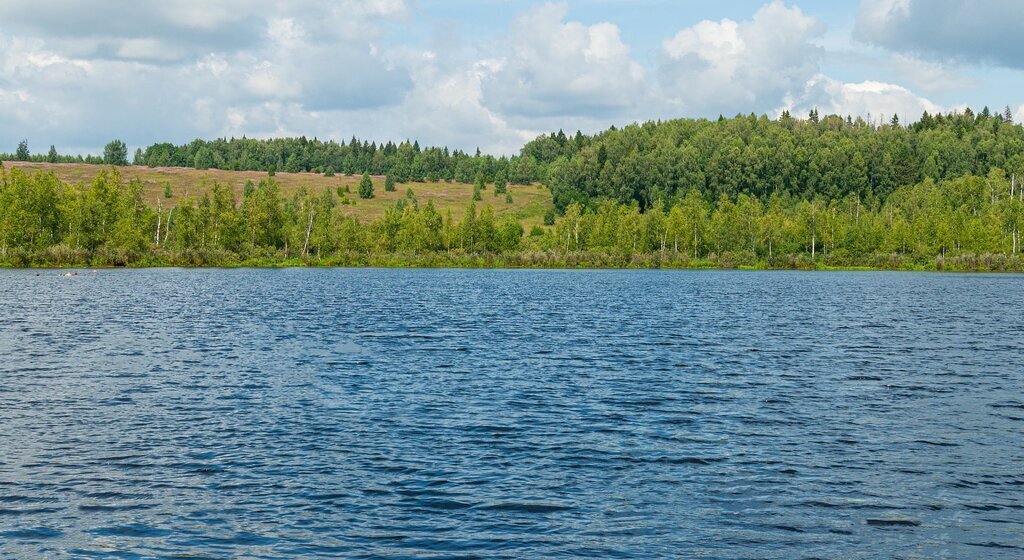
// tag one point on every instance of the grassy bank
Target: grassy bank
(525, 259)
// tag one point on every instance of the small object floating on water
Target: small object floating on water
(893, 522)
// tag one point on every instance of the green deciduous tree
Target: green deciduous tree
(115, 153)
(203, 159)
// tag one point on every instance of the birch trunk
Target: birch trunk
(309, 228)
(170, 217)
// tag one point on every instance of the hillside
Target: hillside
(529, 202)
(943, 193)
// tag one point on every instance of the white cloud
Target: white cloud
(456, 92)
(297, 65)
(79, 87)
(552, 67)
(929, 77)
(877, 13)
(147, 49)
(731, 67)
(876, 100)
(266, 80)
(164, 31)
(285, 33)
(81, 74)
(372, 8)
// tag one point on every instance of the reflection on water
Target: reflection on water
(459, 414)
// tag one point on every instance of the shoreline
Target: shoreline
(505, 266)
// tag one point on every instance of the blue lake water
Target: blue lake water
(510, 414)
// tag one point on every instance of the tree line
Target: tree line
(405, 161)
(114, 153)
(969, 222)
(830, 157)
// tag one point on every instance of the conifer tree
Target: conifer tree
(366, 186)
(22, 154)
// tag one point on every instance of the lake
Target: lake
(326, 413)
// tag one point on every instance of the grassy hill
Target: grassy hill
(529, 202)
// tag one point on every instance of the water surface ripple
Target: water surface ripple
(510, 414)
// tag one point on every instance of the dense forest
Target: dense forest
(944, 192)
(830, 157)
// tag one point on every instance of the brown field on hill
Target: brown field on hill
(529, 202)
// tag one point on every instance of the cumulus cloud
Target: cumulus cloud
(154, 32)
(980, 31)
(870, 99)
(78, 75)
(56, 95)
(730, 67)
(927, 76)
(773, 61)
(447, 107)
(299, 67)
(553, 67)
(182, 29)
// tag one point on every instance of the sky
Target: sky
(483, 73)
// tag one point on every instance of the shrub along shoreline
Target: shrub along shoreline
(525, 260)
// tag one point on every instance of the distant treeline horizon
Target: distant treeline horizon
(827, 156)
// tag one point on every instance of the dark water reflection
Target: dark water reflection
(486, 414)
